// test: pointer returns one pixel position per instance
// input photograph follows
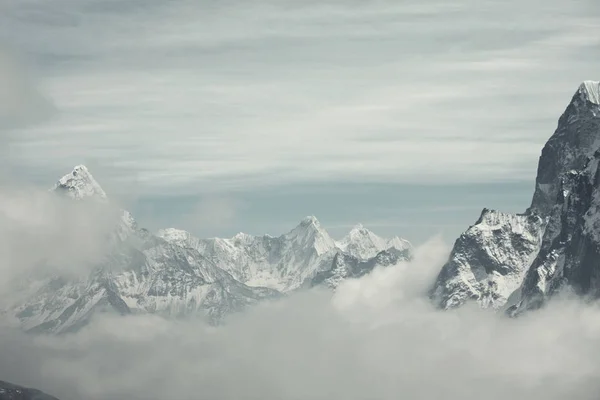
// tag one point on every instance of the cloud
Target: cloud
(377, 338)
(182, 95)
(43, 235)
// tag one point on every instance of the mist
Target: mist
(375, 338)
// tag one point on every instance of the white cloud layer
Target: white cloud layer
(200, 96)
(377, 338)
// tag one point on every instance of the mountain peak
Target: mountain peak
(575, 140)
(359, 228)
(591, 90)
(310, 220)
(364, 244)
(80, 184)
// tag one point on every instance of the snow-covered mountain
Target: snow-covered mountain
(489, 260)
(517, 261)
(290, 261)
(175, 274)
(346, 266)
(364, 244)
(141, 273)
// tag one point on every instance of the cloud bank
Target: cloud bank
(376, 338)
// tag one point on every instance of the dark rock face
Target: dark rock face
(575, 140)
(572, 258)
(554, 244)
(9, 391)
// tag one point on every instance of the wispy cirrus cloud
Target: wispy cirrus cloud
(185, 94)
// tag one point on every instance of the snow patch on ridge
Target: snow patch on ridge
(591, 89)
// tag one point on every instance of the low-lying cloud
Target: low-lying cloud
(376, 338)
(43, 234)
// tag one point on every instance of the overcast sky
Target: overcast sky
(219, 117)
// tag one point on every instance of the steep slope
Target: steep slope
(139, 273)
(574, 141)
(549, 246)
(572, 259)
(489, 260)
(292, 260)
(9, 391)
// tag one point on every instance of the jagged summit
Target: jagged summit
(311, 234)
(574, 141)
(80, 184)
(591, 90)
(310, 220)
(518, 261)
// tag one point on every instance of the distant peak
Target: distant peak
(591, 90)
(242, 237)
(358, 227)
(310, 220)
(79, 184)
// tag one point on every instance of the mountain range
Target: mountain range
(175, 274)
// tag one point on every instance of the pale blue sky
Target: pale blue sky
(219, 117)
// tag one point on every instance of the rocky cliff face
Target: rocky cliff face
(571, 258)
(489, 260)
(518, 261)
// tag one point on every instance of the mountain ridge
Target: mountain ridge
(173, 273)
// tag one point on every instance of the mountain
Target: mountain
(9, 391)
(291, 261)
(141, 273)
(364, 244)
(516, 262)
(489, 260)
(282, 263)
(175, 274)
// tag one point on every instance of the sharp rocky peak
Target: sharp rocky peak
(518, 261)
(574, 141)
(80, 184)
(308, 225)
